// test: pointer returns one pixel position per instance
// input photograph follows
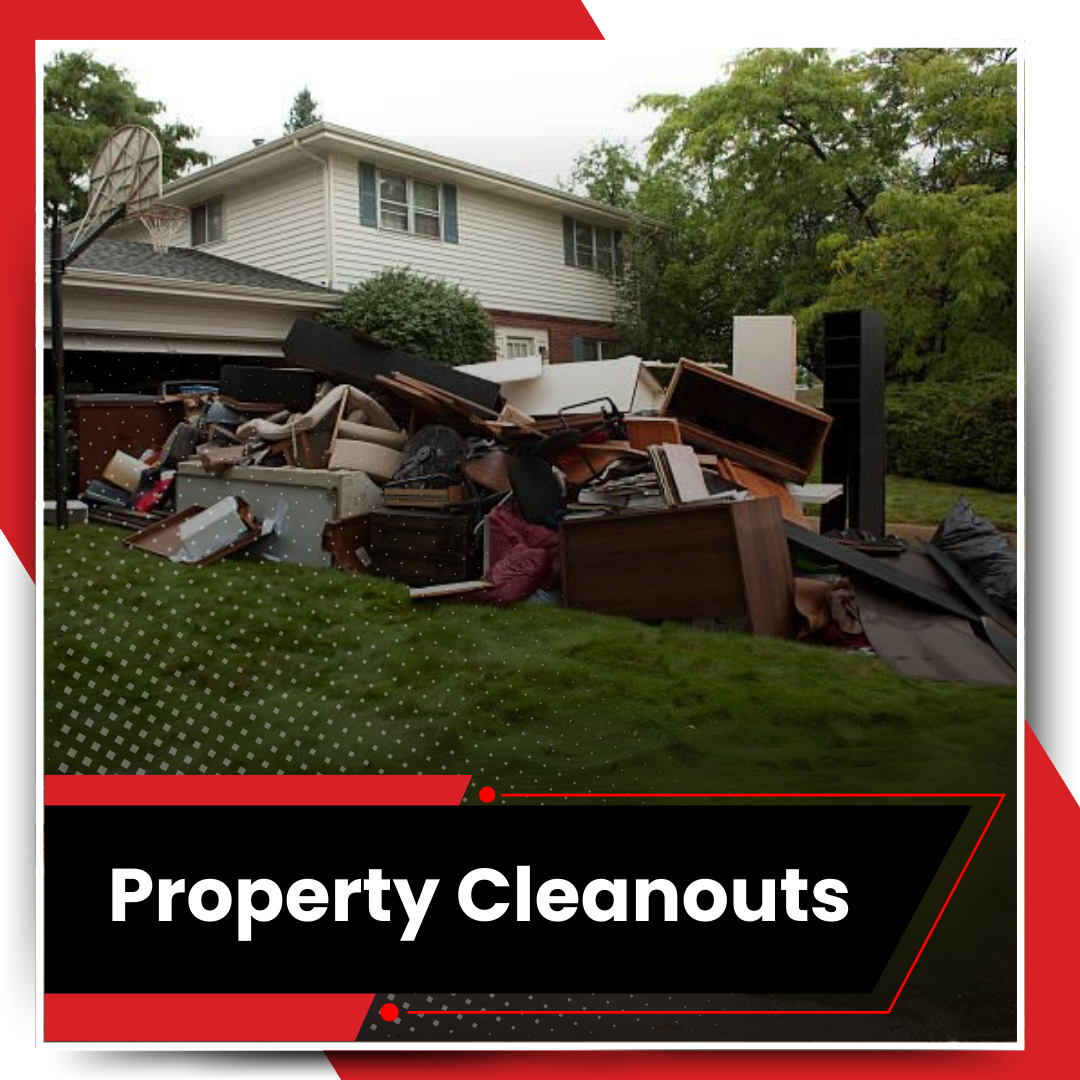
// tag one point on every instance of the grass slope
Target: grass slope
(264, 668)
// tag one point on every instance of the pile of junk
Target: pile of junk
(586, 485)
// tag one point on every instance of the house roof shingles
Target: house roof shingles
(185, 264)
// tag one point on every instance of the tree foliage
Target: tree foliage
(304, 112)
(804, 182)
(608, 173)
(943, 272)
(84, 100)
(421, 315)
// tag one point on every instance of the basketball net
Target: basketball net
(165, 223)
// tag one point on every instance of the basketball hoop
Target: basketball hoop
(164, 222)
(126, 173)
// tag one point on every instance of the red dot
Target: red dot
(487, 794)
(389, 1011)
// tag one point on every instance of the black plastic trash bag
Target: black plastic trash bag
(981, 549)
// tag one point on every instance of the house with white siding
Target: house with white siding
(332, 207)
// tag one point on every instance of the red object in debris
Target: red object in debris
(149, 499)
(524, 558)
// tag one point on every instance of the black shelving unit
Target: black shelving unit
(854, 396)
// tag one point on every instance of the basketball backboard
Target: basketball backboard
(126, 172)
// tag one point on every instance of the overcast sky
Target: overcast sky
(523, 107)
(527, 108)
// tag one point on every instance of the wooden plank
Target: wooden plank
(646, 431)
(755, 458)
(769, 582)
(878, 571)
(344, 357)
(761, 487)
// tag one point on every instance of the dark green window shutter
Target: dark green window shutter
(568, 241)
(449, 208)
(618, 253)
(369, 196)
(577, 346)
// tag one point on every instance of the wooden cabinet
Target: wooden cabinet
(105, 423)
(726, 417)
(422, 547)
(727, 561)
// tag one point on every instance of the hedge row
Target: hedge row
(48, 461)
(955, 433)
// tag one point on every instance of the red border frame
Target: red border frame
(1053, 817)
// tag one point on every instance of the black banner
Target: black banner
(746, 899)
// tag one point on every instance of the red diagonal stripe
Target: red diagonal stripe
(318, 1018)
(255, 790)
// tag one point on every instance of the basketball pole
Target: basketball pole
(56, 291)
(58, 262)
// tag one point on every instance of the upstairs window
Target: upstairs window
(394, 202)
(592, 247)
(399, 203)
(207, 222)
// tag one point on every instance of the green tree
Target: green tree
(304, 112)
(804, 181)
(84, 100)
(962, 104)
(608, 173)
(420, 315)
(944, 274)
(788, 132)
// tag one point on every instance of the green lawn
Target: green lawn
(254, 667)
(922, 502)
(264, 668)
(261, 668)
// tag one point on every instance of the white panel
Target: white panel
(629, 384)
(502, 371)
(277, 224)
(509, 254)
(764, 353)
(231, 324)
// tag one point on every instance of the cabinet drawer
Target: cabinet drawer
(424, 571)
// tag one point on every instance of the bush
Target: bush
(419, 315)
(955, 433)
(48, 461)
